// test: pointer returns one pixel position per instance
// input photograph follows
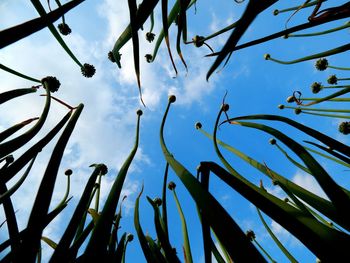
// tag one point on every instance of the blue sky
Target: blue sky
(105, 131)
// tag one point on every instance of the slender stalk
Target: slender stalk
(346, 25)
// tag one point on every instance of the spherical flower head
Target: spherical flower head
(344, 127)
(111, 57)
(267, 56)
(272, 141)
(171, 185)
(157, 201)
(290, 99)
(316, 87)
(149, 58)
(250, 235)
(172, 98)
(88, 70)
(198, 41)
(297, 111)
(150, 36)
(52, 83)
(198, 125)
(321, 64)
(276, 12)
(64, 29)
(332, 80)
(68, 172)
(281, 106)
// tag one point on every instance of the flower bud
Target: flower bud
(267, 56)
(52, 83)
(290, 99)
(297, 111)
(130, 237)
(272, 141)
(149, 58)
(332, 80)
(281, 106)
(68, 172)
(64, 29)
(198, 125)
(171, 185)
(321, 64)
(150, 36)
(344, 127)
(157, 201)
(139, 112)
(250, 235)
(111, 57)
(172, 98)
(103, 169)
(198, 41)
(88, 70)
(275, 12)
(225, 107)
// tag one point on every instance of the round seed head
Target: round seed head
(321, 64)
(290, 99)
(275, 12)
(150, 36)
(344, 127)
(250, 235)
(272, 141)
(64, 29)
(332, 80)
(52, 83)
(198, 125)
(281, 106)
(267, 56)
(88, 70)
(111, 57)
(316, 87)
(171, 185)
(149, 58)
(172, 98)
(68, 172)
(297, 111)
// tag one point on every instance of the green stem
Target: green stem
(276, 11)
(346, 25)
(328, 115)
(339, 68)
(330, 100)
(14, 72)
(322, 110)
(264, 251)
(327, 53)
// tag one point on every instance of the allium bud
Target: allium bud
(267, 56)
(172, 98)
(149, 58)
(64, 29)
(281, 106)
(198, 41)
(111, 57)
(68, 172)
(250, 235)
(171, 185)
(297, 111)
(157, 201)
(198, 125)
(290, 99)
(272, 141)
(150, 36)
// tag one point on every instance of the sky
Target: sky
(106, 129)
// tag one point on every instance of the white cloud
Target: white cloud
(308, 182)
